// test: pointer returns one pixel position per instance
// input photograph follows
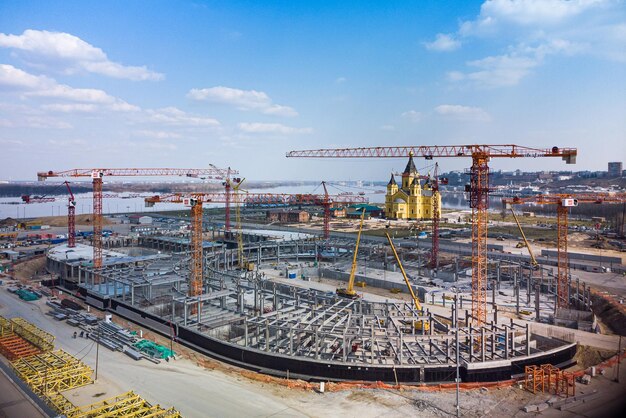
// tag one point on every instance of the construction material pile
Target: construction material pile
(154, 350)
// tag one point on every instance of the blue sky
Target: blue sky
(240, 83)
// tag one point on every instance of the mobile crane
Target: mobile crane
(418, 307)
(349, 292)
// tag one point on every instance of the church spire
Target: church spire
(410, 166)
(392, 181)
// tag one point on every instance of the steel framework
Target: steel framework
(479, 189)
(71, 217)
(37, 337)
(52, 372)
(564, 202)
(128, 405)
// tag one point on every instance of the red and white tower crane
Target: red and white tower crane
(97, 175)
(564, 202)
(196, 200)
(478, 190)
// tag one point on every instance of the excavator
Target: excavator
(419, 325)
(533, 261)
(349, 292)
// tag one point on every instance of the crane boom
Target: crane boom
(533, 261)
(438, 151)
(349, 292)
(416, 301)
(207, 173)
(262, 198)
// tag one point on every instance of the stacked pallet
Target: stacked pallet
(52, 372)
(37, 337)
(128, 404)
(13, 347)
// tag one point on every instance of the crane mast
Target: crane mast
(478, 190)
(71, 217)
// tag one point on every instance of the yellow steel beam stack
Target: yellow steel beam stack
(52, 372)
(5, 326)
(61, 404)
(128, 404)
(32, 334)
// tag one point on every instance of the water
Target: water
(14, 208)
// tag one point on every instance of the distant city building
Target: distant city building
(140, 220)
(615, 169)
(287, 216)
(411, 200)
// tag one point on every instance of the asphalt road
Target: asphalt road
(14, 403)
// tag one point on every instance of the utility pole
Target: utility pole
(456, 333)
(619, 358)
(97, 351)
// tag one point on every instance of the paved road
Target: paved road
(13, 402)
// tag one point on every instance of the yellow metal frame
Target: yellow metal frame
(241, 259)
(350, 289)
(128, 405)
(52, 372)
(521, 231)
(37, 337)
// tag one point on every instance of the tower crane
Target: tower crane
(478, 190)
(97, 174)
(564, 202)
(196, 200)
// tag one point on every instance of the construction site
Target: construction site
(310, 304)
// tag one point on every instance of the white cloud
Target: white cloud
(157, 134)
(509, 69)
(387, 128)
(70, 108)
(176, 117)
(152, 145)
(465, 113)
(12, 78)
(412, 115)
(272, 128)
(443, 43)
(67, 142)
(532, 12)
(15, 80)
(536, 29)
(72, 54)
(340, 80)
(242, 99)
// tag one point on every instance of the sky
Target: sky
(185, 84)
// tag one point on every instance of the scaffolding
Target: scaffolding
(52, 372)
(549, 379)
(128, 404)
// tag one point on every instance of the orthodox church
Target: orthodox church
(412, 199)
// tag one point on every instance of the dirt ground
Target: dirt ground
(62, 220)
